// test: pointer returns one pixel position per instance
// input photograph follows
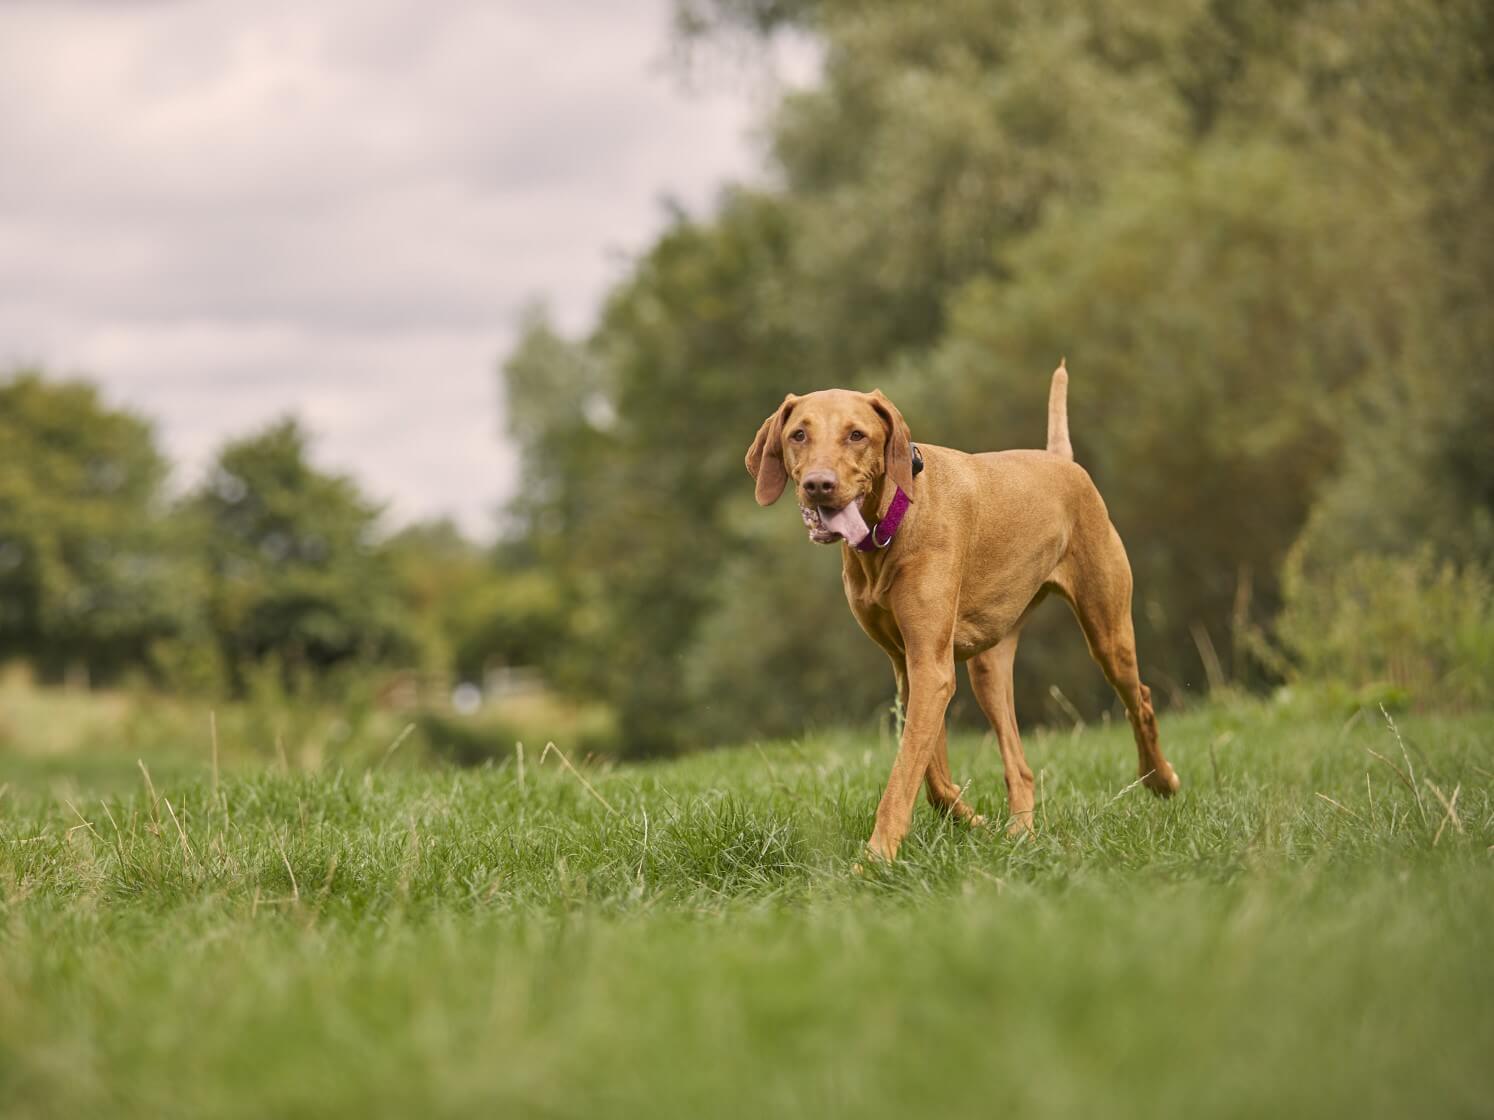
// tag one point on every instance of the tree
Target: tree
(623, 480)
(1417, 478)
(294, 568)
(1218, 317)
(1240, 224)
(90, 576)
(475, 609)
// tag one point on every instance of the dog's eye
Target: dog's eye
(857, 436)
(799, 436)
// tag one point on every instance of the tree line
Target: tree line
(266, 565)
(1260, 235)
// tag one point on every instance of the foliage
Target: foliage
(1418, 465)
(1257, 235)
(1205, 391)
(1426, 628)
(796, 664)
(623, 504)
(270, 568)
(89, 575)
(707, 19)
(382, 939)
(474, 611)
(512, 620)
(293, 568)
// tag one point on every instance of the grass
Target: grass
(1306, 931)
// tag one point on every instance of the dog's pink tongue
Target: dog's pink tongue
(847, 521)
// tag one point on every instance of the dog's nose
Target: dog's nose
(819, 484)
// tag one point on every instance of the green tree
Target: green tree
(90, 576)
(625, 475)
(1218, 317)
(1248, 228)
(474, 609)
(294, 566)
(1416, 83)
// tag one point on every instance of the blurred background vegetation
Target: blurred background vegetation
(1261, 234)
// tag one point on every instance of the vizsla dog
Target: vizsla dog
(944, 555)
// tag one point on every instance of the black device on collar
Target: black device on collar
(917, 460)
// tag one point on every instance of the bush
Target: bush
(1410, 623)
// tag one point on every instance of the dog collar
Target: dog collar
(884, 530)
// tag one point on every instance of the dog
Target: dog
(944, 556)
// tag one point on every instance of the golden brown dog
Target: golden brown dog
(950, 574)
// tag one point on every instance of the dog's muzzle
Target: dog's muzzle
(826, 526)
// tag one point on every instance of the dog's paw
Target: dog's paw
(877, 852)
(1163, 783)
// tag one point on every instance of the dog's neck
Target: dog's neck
(879, 497)
(874, 506)
(884, 510)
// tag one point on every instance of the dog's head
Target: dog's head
(835, 445)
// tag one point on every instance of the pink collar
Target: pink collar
(884, 530)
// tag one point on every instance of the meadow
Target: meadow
(1307, 930)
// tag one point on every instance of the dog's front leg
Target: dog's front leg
(931, 683)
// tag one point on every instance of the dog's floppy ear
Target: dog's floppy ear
(897, 453)
(765, 456)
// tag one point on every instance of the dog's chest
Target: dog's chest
(870, 609)
(984, 610)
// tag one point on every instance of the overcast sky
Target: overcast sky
(223, 211)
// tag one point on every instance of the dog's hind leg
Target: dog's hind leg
(939, 784)
(991, 678)
(1097, 584)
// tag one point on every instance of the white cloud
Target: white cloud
(224, 212)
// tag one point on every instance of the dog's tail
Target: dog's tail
(1058, 413)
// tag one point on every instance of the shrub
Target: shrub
(1418, 625)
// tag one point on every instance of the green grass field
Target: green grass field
(409, 940)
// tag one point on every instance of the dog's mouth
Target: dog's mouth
(826, 525)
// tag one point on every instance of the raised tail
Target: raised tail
(1058, 413)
